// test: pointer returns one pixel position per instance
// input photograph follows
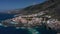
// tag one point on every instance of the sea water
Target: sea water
(6, 16)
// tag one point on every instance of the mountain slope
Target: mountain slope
(53, 7)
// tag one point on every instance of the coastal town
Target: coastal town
(33, 20)
(43, 18)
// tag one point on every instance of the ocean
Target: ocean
(6, 16)
(13, 30)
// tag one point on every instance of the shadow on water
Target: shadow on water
(44, 30)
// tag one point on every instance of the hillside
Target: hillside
(52, 6)
(29, 10)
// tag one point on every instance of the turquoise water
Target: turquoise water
(13, 30)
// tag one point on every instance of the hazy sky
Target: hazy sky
(14, 4)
